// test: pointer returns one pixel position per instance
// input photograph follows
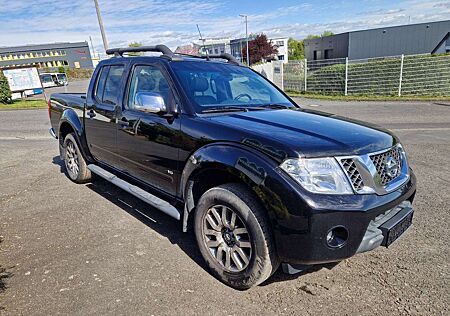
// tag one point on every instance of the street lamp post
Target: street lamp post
(246, 35)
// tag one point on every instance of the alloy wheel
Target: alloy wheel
(72, 162)
(227, 238)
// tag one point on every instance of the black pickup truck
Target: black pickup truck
(261, 181)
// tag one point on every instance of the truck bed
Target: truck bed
(61, 101)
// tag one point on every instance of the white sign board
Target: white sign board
(22, 79)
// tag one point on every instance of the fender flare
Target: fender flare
(246, 163)
(69, 116)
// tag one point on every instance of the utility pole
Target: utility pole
(203, 41)
(100, 23)
(246, 35)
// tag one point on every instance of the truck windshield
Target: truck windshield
(216, 86)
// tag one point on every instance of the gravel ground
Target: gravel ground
(93, 249)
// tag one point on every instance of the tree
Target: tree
(5, 92)
(327, 33)
(296, 49)
(260, 49)
(135, 44)
(324, 34)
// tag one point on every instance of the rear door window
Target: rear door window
(100, 86)
(112, 85)
(108, 84)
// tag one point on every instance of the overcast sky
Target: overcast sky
(174, 22)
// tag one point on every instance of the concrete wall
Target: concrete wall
(336, 44)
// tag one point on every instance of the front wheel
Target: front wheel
(76, 167)
(234, 237)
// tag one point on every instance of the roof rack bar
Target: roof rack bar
(231, 59)
(158, 48)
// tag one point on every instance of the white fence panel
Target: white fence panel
(396, 75)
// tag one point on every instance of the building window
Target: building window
(280, 57)
(279, 43)
(327, 53)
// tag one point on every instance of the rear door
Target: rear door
(101, 113)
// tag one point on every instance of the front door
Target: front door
(147, 142)
(101, 114)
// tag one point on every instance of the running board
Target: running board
(137, 192)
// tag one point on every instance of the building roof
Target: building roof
(37, 47)
(401, 26)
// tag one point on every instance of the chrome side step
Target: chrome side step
(137, 192)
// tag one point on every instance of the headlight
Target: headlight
(318, 175)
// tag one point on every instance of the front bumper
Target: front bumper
(377, 233)
(363, 216)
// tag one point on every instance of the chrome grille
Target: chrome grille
(380, 160)
(353, 173)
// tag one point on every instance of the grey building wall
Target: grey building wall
(391, 41)
(423, 38)
(328, 47)
(73, 55)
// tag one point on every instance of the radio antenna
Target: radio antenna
(203, 41)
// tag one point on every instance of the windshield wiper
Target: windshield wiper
(274, 106)
(225, 109)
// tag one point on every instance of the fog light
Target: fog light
(337, 237)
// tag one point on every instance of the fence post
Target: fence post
(282, 75)
(346, 76)
(401, 77)
(306, 72)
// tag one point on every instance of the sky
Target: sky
(173, 22)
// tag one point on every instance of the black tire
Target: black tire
(262, 260)
(76, 167)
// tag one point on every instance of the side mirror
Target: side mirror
(150, 102)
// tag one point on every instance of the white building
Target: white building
(281, 43)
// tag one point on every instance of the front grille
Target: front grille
(353, 173)
(379, 161)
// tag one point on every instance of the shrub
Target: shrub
(79, 73)
(327, 80)
(5, 92)
(426, 75)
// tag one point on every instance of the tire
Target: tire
(76, 167)
(240, 253)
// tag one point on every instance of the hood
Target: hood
(309, 133)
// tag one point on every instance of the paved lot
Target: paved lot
(79, 85)
(93, 249)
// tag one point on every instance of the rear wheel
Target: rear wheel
(233, 236)
(76, 167)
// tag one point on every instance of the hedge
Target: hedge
(5, 92)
